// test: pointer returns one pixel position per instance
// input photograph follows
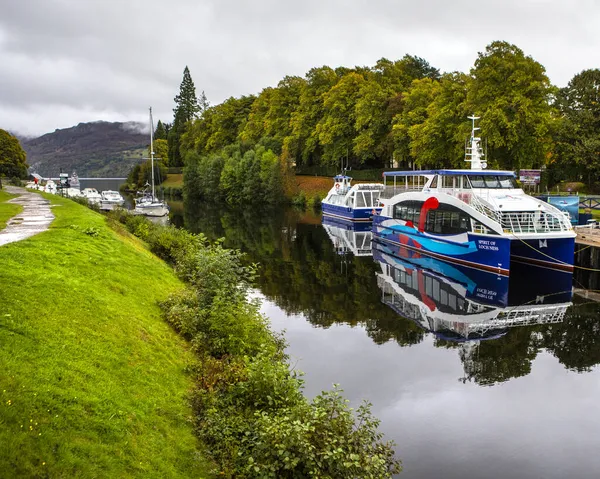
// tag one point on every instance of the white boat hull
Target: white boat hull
(151, 210)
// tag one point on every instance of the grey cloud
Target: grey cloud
(115, 58)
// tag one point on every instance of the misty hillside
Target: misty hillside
(98, 149)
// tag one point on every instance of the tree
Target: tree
(511, 93)
(186, 109)
(161, 150)
(414, 111)
(12, 156)
(336, 128)
(579, 132)
(186, 102)
(203, 103)
(161, 132)
(302, 145)
(439, 141)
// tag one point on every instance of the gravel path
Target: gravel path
(35, 217)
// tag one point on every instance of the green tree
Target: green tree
(414, 106)
(160, 133)
(12, 156)
(511, 93)
(161, 150)
(302, 145)
(578, 135)
(336, 128)
(186, 109)
(440, 139)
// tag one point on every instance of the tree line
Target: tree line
(402, 113)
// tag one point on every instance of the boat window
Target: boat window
(450, 181)
(434, 182)
(491, 182)
(408, 211)
(477, 181)
(507, 182)
(466, 184)
(447, 219)
(360, 199)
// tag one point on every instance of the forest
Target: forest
(395, 114)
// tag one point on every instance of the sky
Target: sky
(68, 61)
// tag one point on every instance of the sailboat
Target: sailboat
(149, 204)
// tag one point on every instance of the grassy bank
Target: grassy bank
(93, 381)
(7, 210)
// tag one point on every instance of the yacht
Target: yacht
(110, 199)
(149, 204)
(474, 217)
(352, 202)
(92, 195)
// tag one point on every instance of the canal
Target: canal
(473, 376)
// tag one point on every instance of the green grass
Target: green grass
(7, 210)
(92, 380)
(173, 180)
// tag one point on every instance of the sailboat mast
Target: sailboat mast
(152, 153)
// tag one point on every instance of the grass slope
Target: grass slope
(173, 180)
(92, 380)
(7, 210)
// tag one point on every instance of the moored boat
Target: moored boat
(476, 218)
(110, 199)
(352, 202)
(92, 195)
(149, 204)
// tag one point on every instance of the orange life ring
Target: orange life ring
(337, 186)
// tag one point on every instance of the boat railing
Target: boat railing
(475, 202)
(543, 220)
(390, 191)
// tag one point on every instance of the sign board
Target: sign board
(569, 204)
(530, 177)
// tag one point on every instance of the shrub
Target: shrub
(249, 408)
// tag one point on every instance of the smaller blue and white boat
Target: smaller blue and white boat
(354, 203)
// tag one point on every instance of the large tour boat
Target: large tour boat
(352, 202)
(474, 217)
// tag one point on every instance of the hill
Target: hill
(98, 149)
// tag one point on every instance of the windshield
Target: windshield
(492, 181)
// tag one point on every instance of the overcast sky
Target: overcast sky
(68, 61)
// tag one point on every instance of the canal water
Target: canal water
(472, 375)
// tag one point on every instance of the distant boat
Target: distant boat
(92, 195)
(74, 181)
(354, 203)
(110, 199)
(149, 204)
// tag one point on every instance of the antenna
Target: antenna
(473, 153)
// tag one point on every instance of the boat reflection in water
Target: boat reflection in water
(349, 237)
(460, 304)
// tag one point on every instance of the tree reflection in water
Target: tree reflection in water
(306, 269)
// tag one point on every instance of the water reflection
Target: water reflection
(326, 273)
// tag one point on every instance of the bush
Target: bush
(249, 408)
(299, 200)
(15, 181)
(84, 201)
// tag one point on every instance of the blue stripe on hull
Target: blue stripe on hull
(481, 286)
(480, 252)
(553, 253)
(352, 214)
